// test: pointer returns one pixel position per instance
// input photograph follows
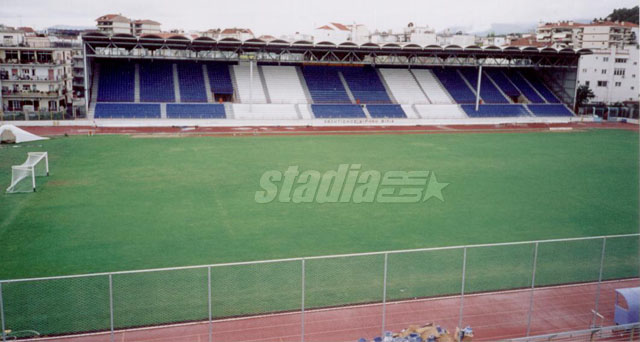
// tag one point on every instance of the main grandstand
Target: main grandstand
(253, 82)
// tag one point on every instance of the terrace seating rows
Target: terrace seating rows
(117, 82)
(337, 111)
(195, 111)
(156, 82)
(503, 82)
(386, 111)
(455, 85)
(220, 78)
(365, 85)
(283, 84)
(540, 87)
(488, 92)
(403, 86)
(191, 80)
(127, 110)
(549, 110)
(325, 85)
(249, 89)
(524, 87)
(495, 110)
(431, 86)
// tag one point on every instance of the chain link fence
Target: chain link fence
(130, 299)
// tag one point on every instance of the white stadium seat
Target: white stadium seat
(403, 86)
(431, 86)
(283, 84)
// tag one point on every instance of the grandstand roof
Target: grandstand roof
(327, 52)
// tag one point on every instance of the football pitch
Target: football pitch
(115, 203)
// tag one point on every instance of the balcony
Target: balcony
(31, 94)
(17, 62)
(30, 79)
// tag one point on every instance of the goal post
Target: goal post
(23, 176)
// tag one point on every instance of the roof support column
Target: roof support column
(478, 88)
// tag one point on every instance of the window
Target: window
(584, 70)
(621, 60)
(604, 71)
(602, 83)
(605, 59)
(587, 83)
(618, 84)
(619, 72)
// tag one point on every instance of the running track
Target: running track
(492, 316)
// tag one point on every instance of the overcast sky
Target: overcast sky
(279, 17)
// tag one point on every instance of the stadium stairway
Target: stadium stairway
(248, 90)
(365, 85)
(455, 85)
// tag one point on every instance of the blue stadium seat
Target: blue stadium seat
(549, 110)
(365, 85)
(541, 87)
(386, 111)
(337, 111)
(503, 82)
(191, 80)
(324, 84)
(117, 81)
(195, 111)
(126, 111)
(495, 110)
(488, 92)
(524, 87)
(455, 85)
(156, 82)
(220, 78)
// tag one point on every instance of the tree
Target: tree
(584, 95)
(625, 14)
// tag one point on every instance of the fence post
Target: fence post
(595, 310)
(302, 309)
(533, 285)
(4, 336)
(209, 299)
(464, 272)
(113, 338)
(384, 292)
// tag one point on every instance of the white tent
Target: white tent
(11, 133)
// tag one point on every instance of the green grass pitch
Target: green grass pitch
(117, 203)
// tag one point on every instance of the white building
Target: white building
(10, 36)
(494, 40)
(607, 34)
(421, 35)
(612, 74)
(144, 26)
(114, 24)
(333, 32)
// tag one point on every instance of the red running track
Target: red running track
(492, 316)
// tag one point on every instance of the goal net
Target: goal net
(23, 176)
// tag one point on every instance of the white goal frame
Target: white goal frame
(28, 168)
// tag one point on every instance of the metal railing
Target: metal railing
(624, 332)
(111, 301)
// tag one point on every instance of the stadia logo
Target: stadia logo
(348, 184)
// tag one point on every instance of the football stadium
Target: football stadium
(253, 190)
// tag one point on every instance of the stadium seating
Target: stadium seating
(191, 80)
(535, 81)
(431, 86)
(455, 85)
(549, 110)
(365, 85)
(503, 82)
(248, 89)
(403, 86)
(337, 111)
(283, 84)
(220, 78)
(117, 82)
(156, 82)
(495, 110)
(386, 111)
(488, 92)
(127, 110)
(325, 85)
(524, 87)
(440, 111)
(195, 111)
(265, 111)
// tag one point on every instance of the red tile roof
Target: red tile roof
(146, 21)
(530, 41)
(113, 17)
(325, 27)
(341, 27)
(236, 30)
